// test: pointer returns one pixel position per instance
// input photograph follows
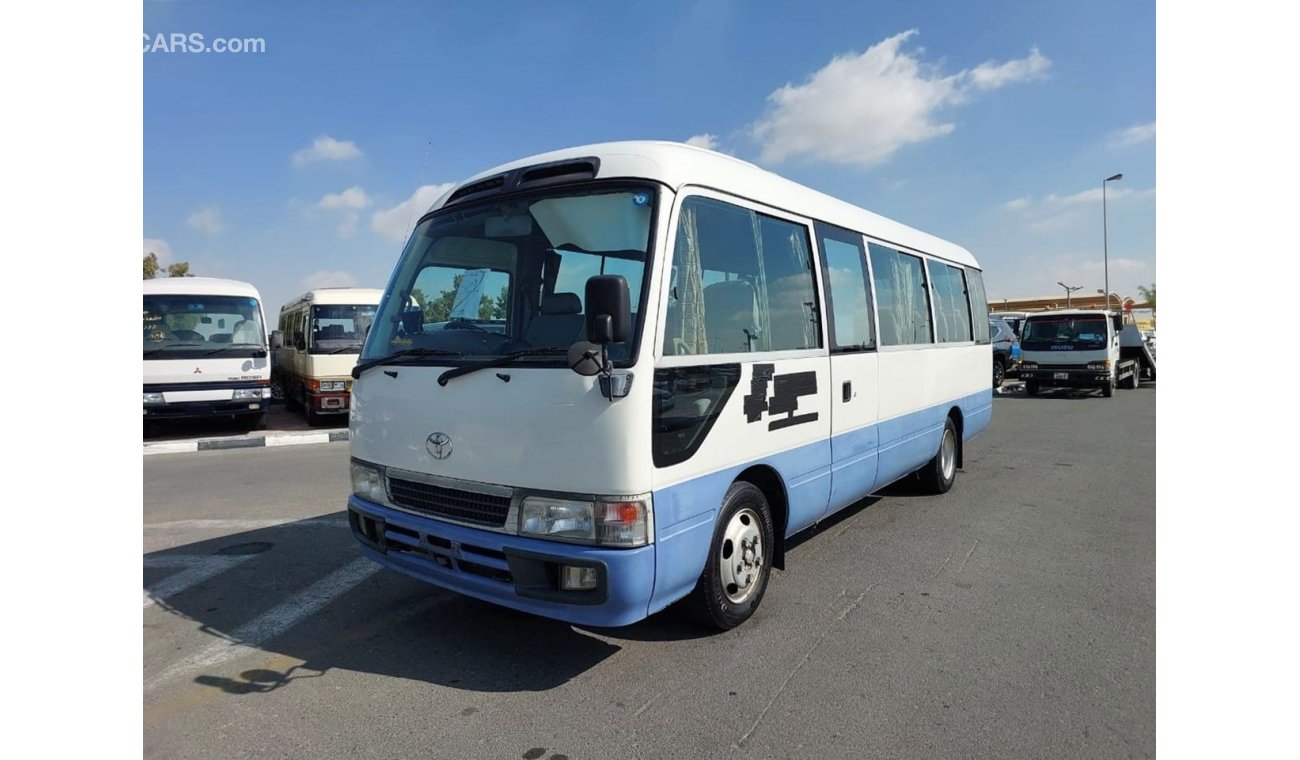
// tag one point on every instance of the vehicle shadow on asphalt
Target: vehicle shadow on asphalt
(1017, 393)
(278, 420)
(386, 624)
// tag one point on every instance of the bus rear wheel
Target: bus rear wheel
(739, 562)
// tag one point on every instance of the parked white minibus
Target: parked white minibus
(205, 350)
(658, 364)
(315, 346)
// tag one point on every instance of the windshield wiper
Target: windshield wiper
(346, 348)
(497, 361)
(363, 366)
(235, 347)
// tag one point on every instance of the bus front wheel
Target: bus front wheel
(938, 476)
(739, 562)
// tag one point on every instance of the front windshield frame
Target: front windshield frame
(166, 338)
(402, 272)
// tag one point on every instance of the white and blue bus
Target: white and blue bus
(607, 378)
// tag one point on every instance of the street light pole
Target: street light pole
(1068, 290)
(1105, 245)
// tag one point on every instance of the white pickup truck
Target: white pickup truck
(1080, 348)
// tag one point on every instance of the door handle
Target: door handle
(848, 390)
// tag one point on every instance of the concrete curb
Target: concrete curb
(212, 444)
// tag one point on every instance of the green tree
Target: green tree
(1148, 294)
(179, 269)
(151, 266)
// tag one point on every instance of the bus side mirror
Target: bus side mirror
(1117, 320)
(299, 342)
(277, 339)
(609, 309)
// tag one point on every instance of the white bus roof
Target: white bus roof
(351, 296)
(1067, 313)
(678, 164)
(206, 286)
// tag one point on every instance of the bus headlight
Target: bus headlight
(153, 398)
(622, 522)
(1028, 365)
(245, 394)
(557, 518)
(1100, 366)
(368, 482)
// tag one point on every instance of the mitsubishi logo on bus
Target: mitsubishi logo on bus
(438, 445)
(197, 371)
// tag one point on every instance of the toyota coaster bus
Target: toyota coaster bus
(315, 346)
(607, 378)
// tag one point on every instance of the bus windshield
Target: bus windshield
(1065, 332)
(186, 326)
(340, 328)
(499, 277)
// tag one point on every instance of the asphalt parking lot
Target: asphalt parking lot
(1012, 617)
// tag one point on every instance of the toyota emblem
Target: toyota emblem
(438, 445)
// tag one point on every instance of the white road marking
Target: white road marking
(197, 569)
(311, 522)
(170, 448)
(290, 440)
(260, 631)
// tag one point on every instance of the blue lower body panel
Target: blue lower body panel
(513, 571)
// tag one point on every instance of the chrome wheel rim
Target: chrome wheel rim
(948, 455)
(740, 557)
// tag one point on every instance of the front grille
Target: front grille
(480, 508)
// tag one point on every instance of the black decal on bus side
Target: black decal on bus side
(756, 400)
(785, 400)
(785, 397)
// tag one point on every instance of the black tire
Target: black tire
(712, 601)
(291, 401)
(313, 419)
(1135, 378)
(257, 421)
(1108, 390)
(1031, 388)
(999, 372)
(940, 473)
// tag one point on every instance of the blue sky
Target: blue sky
(990, 124)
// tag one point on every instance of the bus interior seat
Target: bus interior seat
(728, 314)
(221, 338)
(188, 336)
(561, 322)
(329, 332)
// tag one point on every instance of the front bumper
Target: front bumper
(182, 410)
(513, 571)
(1066, 378)
(329, 402)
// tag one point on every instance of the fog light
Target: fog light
(577, 578)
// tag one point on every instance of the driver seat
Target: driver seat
(560, 324)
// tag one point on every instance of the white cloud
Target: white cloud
(349, 204)
(206, 220)
(352, 198)
(325, 279)
(1138, 133)
(395, 223)
(1017, 205)
(707, 141)
(863, 107)
(159, 248)
(326, 148)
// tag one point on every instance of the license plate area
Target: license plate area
(1061, 376)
